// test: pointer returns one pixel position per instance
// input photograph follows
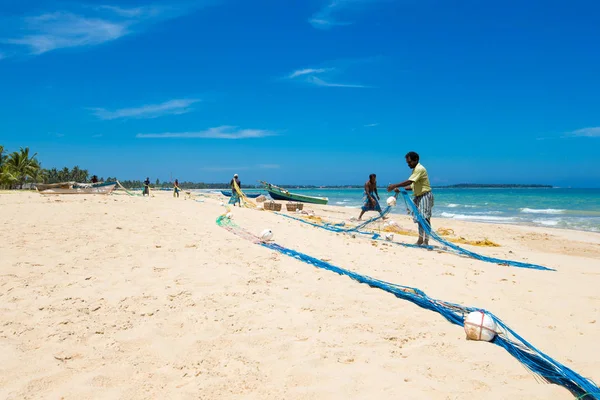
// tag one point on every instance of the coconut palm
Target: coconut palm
(20, 166)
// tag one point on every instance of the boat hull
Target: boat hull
(278, 194)
(249, 195)
(64, 188)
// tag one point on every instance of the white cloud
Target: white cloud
(60, 30)
(371, 125)
(309, 75)
(88, 26)
(585, 132)
(221, 132)
(308, 71)
(328, 16)
(133, 12)
(321, 82)
(171, 107)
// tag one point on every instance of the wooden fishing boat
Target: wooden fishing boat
(76, 188)
(278, 193)
(249, 195)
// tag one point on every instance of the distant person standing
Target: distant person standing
(94, 179)
(176, 189)
(235, 197)
(418, 182)
(146, 187)
(371, 197)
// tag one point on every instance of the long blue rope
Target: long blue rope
(423, 222)
(414, 211)
(536, 361)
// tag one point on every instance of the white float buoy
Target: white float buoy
(222, 204)
(389, 236)
(391, 201)
(229, 215)
(480, 326)
(266, 235)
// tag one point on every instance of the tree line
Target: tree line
(21, 168)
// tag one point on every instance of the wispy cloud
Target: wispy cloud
(83, 27)
(137, 12)
(320, 77)
(329, 15)
(171, 107)
(308, 71)
(585, 132)
(60, 29)
(371, 125)
(321, 82)
(221, 132)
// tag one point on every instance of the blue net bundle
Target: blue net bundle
(540, 364)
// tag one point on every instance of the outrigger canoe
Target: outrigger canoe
(278, 193)
(76, 188)
(249, 195)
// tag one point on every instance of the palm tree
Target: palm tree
(19, 166)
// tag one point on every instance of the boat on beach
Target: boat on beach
(278, 193)
(249, 195)
(76, 188)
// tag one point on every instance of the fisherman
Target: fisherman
(176, 189)
(94, 179)
(371, 204)
(146, 187)
(418, 182)
(235, 197)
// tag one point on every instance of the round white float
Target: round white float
(266, 235)
(391, 201)
(480, 326)
(389, 236)
(229, 215)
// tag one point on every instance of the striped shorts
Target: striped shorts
(424, 203)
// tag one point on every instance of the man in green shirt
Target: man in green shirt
(418, 182)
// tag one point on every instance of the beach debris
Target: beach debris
(229, 215)
(222, 204)
(391, 201)
(353, 235)
(352, 219)
(480, 326)
(389, 237)
(266, 235)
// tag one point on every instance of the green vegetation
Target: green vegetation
(18, 168)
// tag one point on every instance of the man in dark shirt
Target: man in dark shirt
(146, 187)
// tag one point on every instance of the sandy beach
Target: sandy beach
(117, 297)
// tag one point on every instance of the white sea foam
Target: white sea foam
(542, 211)
(547, 222)
(453, 205)
(477, 217)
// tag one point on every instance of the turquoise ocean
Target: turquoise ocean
(557, 207)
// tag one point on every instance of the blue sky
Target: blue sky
(306, 91)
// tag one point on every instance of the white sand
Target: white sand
(147, 298)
